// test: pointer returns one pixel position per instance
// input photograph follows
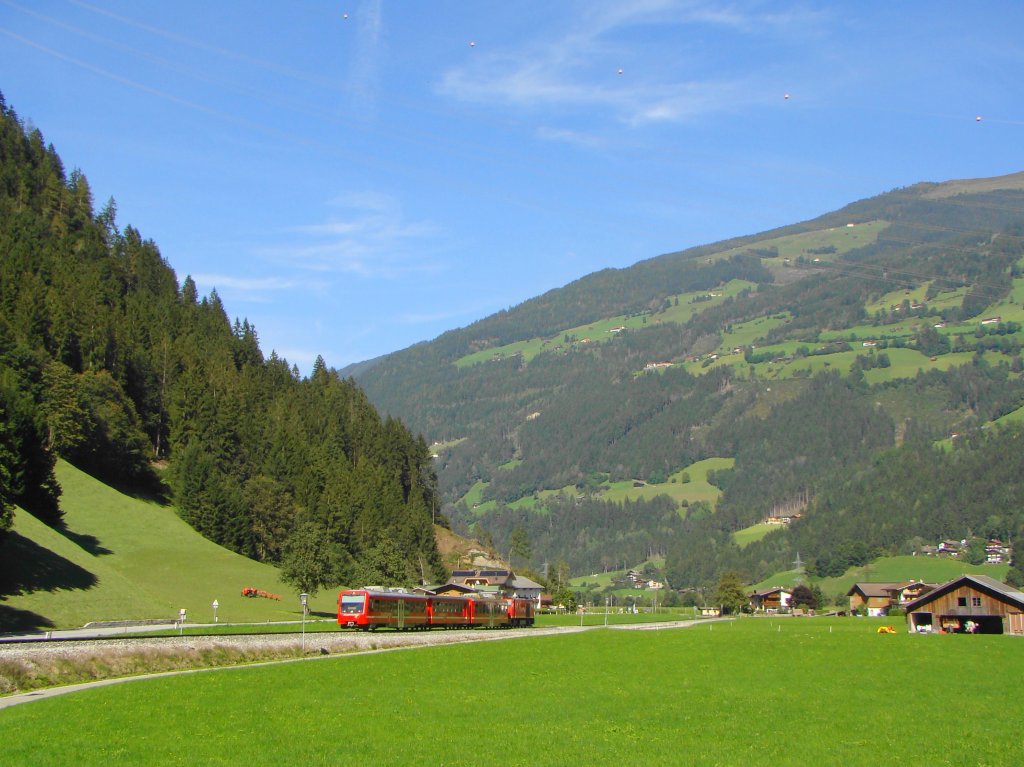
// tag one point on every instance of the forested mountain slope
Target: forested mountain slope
(107, 361)
(802, 354)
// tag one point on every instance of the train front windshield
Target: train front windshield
(352, 604)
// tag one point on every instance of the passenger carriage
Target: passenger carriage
(449, 612)
(368, 609)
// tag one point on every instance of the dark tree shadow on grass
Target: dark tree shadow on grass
(25, 566)
(144, 484)
(88, 542)
(13, 620)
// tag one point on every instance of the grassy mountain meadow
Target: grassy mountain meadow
(670, 408)
(119, 557)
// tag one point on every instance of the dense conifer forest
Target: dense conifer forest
(110, 362)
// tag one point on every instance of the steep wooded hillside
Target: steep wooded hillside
(802, 354)
(107, 361)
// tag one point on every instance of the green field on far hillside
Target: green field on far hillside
(123, 558)
(748, 535)
(696, 489)
(821, 244)
(917, 295)
(680, 309)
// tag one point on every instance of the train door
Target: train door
(400, 614)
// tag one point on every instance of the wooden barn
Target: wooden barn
(972, 604)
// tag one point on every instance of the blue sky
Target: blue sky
(355, 177)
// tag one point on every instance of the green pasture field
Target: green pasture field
(1016, 415)
(475, 494)
(860, 333)
(748, 535)
(888, 570)
(943, 300)
(843, 239)
(919, 568)
(697, 489)
(125, 558)
(438, 447)
(1017, 293)
(474, 499)
(595, 332)
(1011, 309)
(616, 615)
(746, 333)
(688, 306)
(905, 363)
(600, 331)
(598, 580)
(755, 692)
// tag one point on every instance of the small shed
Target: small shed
(974, 604)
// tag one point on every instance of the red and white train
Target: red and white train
(369, 609)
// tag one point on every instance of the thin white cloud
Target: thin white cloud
(261, 284)
(588, 66)
(365, 65)
(250, 289)
(365, 235)
(568, 136)
(265, 64)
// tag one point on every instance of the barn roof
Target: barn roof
(982, 583)
(873, 589)
(521, 582)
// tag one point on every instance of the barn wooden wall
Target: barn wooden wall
(947, 605)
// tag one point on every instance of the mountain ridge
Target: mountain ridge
(874, 292)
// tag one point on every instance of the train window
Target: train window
(352, 604)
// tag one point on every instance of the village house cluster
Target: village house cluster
(969, 604)
(996, 551)
(493, 582)
(641, 581)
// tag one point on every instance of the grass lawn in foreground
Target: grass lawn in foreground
(716, 694)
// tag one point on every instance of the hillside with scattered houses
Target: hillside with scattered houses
(844, 367)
